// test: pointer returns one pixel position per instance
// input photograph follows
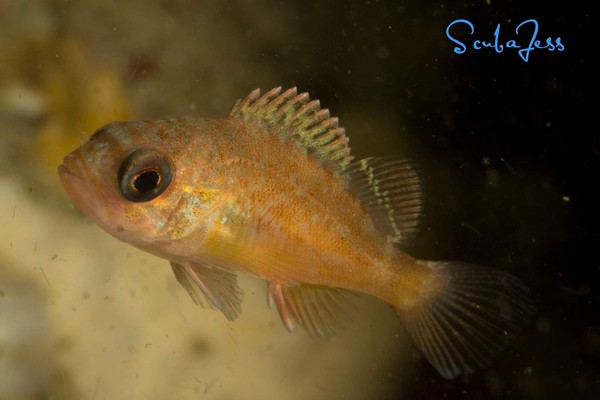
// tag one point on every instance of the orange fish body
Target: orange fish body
(272, 190)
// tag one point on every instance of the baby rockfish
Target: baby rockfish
(272, 190)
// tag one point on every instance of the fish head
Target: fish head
(136, 181)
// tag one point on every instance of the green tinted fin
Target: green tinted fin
(390, 190)
(216, 285)
(320, 310)
(299, 120)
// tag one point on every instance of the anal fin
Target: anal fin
(320, 310)
(217, 285)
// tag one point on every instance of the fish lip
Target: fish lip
(71, 163)
(75, 181)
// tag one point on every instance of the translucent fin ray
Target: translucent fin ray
(390, 190)
(470, 316)
(216, 285)
(320, 310)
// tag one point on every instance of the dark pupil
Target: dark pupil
(146, 181)
(144, 175)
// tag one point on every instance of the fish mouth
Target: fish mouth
(86, 193)
(96, 199)
(77, 183)
(70, 174)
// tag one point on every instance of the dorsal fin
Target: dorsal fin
(299, 120)
(390, 190)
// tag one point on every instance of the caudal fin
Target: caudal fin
(467, 314)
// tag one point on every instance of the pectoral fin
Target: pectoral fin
(321, 310)
(217, 285)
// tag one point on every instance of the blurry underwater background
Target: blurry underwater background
(503, 147)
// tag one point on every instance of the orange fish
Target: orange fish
(272, 190)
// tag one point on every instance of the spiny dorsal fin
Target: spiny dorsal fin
(298, 119)
(390, 191)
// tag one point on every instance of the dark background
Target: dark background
(508, 153)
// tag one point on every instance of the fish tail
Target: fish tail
(465, 314)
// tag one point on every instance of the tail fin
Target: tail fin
(467, 315)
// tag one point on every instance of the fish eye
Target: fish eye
(144, 175)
